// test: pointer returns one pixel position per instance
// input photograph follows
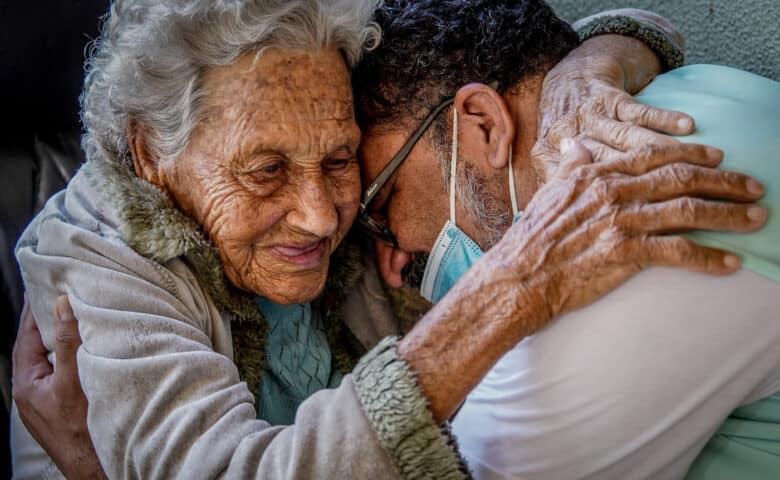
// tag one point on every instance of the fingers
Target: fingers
(680, 179)
(690, 213)
(655, 156)
(624, 136)
(573, 155)
(679, 252)
(29, 355)
(601, 152)
(544, 160)
(66, 345)
(656, 119)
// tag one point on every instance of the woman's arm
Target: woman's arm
(163, 401)
(580, 237)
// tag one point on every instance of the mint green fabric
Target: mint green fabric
(741, 34)
(298, 361)
(747, 445)
(740, 113)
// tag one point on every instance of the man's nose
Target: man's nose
(315, 212)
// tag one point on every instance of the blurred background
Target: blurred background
(42, 47)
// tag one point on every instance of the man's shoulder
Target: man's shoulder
(738, 112)
(629, 382)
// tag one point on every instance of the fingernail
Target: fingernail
(684, 124)
(731, 261)
(755, 187)
(714, 153)
(566, 145)
(756, 213)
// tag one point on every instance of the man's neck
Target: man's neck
(523, 103)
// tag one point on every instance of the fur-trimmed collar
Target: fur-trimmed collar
(153, 226)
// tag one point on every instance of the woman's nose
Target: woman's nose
(315, 212)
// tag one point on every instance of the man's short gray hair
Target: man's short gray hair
(147, 63)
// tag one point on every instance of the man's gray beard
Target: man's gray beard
(495, 215)
(412, 273)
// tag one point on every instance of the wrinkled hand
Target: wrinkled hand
(49, 398)
(588, 229)
(588, 96)
(596, 224)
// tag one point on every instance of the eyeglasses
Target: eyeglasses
(373, 227)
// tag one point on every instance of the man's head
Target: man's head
(490, 57)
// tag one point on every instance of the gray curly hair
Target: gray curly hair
(147, 63)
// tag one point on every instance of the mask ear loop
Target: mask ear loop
(512, 189)
(453, 162)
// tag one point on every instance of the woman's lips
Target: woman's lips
(306, 256)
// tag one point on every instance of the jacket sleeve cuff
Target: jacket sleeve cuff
(654, 30)
(399, 414)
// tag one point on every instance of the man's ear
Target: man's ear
(485, 123)
(145, 162)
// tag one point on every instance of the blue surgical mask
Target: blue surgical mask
(454, 252)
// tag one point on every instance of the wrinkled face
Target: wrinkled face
(270, 173)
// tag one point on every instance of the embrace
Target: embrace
(404, 239)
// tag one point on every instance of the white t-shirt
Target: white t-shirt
(632, 386)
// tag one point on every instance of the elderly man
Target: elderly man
(634, 385)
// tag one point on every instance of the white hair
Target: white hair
(147, 63)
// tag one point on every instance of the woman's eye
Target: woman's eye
(271, 169)
(269, 172)
(336, 164)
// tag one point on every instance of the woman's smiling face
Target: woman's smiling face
(270, 173)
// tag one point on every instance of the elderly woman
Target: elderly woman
(202, 249)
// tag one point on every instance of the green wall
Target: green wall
(743, 34)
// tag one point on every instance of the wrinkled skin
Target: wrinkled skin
(270, 172)
(583, 234)
(601, 111)
(590, 227)
(584, 218)
(543, 113)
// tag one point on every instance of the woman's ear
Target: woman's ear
(485, 124)
(145, 162)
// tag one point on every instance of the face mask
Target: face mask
(454, 252)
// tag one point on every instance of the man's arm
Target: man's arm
(61, 418)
